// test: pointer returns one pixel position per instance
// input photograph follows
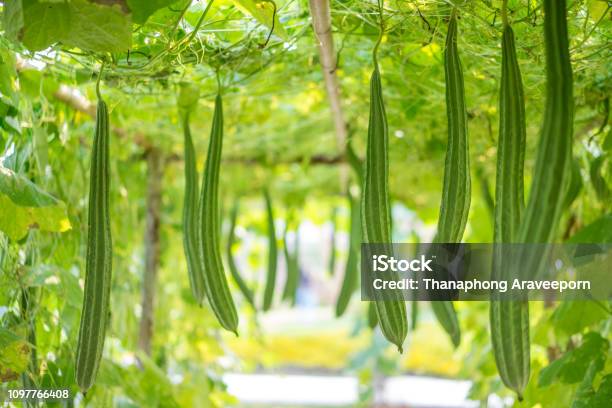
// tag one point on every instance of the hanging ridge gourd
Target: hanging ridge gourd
(375, 208)
(509, 319)
(354, 161)
(293, 267)
(372, 316)
(272, 255)
(552, 171)
(215, 282)
(551, 177)
(332, 243)
(244, 289)
(574, 185)
(351, 270)
(455, 204)
(190, 217)
(95, 314)
(414, 302)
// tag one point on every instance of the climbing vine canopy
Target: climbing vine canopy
(170, 70)
(276, 104)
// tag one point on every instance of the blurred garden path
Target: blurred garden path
(275, 390)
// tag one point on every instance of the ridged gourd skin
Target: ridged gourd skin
(351, 270)
(190, 217)
(414, 313)
(375, 209)
(272, 254)
(456, 192)
(372, 316)
(509, 320)
(231, 263)
(552, 172)
(98, 273)
(215, 282)
(550, 181)
(332, 242)
(575, 184)
(293, 267)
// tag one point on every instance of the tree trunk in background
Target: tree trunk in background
(152, 249)
(321, 23)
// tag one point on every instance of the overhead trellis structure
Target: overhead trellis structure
(294, 72)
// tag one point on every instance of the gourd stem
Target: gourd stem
(380, 36)
(199, 22)
(98, 81)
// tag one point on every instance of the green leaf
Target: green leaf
(572, 317)
(574, 364)
(143, 9)
(14, 355)
(603, 396)
(78, 23)
(597, 9)
(262, 11)
(594, 349)
(145, 386)
(98, 28)
(550, 373)
(585, 391)
(599, 231)
(22, 191)
(34, 84)
(8, 92)
(43, 24)
(12, 13)
(24, 206)
(7, 338)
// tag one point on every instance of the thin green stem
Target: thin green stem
(98, 81)
(199, 23)
(382, 32)
(178, 21)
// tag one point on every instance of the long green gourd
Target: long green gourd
(455, 204)
(598, 182)
(351, 271)
(244, 289)
(509, 320)
(293, 267)
(190, 217)
(354, 161)
(372, 316)
(414, 314)
(550, 181)
(552, 170)
(98, 269)
(215, 283)
(375, 209)
(332, 244)
(272, 255)
(574, 186)
(357, 166)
